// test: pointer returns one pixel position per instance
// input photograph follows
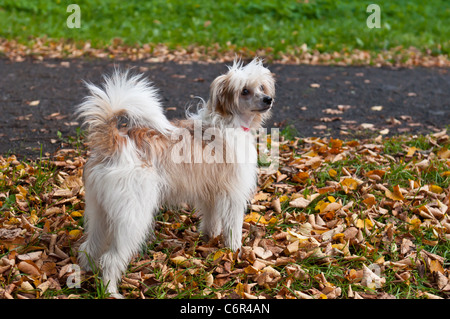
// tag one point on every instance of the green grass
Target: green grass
(325, 25)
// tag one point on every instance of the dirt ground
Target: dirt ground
(38, 98)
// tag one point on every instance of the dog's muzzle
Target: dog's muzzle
(266, 104)
(267, 100)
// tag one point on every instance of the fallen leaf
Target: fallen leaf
(436, 189)
(300, 202)
(396, 194)
(75, 234)
(370, 279)
(301, 177)
(29, 267)
(411, 151)
(435, 266)
(332, 172)
(349, 184)
(34, 103)
(262, 253)
(255, 218)
(364, 223)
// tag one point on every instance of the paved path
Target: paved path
(37, 99)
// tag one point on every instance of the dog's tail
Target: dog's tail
(122, 98)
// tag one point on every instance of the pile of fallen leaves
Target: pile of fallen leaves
(336, 219)
(46, 48)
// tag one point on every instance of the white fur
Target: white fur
(121, 92)
(130, 177)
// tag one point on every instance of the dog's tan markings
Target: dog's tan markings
(222, 96)
(106, 139)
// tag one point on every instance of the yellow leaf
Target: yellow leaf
(250, 270)
(445, 174)
(436, 266)
(239, 289)
(12, 221)
(411, 151)
(22, 192)
(255, 218)
(364, 223)
(218, 254)
(321, 205)
(76, 213)
(74, 234)
(395, 194)
(181, 261)
(283, 198)
(272, 220)
(414, 224)
(436, 189)
(310, 154)
(33, 217)
(443, 153)
(332, 172)
(267, 183)
(414, 184)
(349, 184)
(331, 199)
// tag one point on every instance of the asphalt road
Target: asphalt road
(38, 98)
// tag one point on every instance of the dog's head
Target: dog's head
(245, 93)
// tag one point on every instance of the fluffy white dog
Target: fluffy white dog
(141, 161)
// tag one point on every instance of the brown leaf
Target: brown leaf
(29, 267)
(300, 202)
(300, 177)
(262, 253)
(49, 268)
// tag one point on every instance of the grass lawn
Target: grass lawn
(325, 25)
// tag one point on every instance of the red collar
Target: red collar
(246, 129)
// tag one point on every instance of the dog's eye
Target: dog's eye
(262, 88)
(245, 92)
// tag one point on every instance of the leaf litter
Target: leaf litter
(337, 219)
(41, 48)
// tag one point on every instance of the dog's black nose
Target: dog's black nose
(267, 100)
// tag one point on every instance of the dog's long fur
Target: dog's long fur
(131, 171)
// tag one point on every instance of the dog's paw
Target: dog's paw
(116, 295)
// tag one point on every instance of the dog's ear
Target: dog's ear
(222, 96)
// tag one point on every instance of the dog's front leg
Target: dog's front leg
(231, 211)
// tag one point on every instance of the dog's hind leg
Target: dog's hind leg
(96, 232)
(132, 201)
(211, 223)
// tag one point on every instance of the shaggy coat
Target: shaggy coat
(141, 161)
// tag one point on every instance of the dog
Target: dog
(135, 166)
